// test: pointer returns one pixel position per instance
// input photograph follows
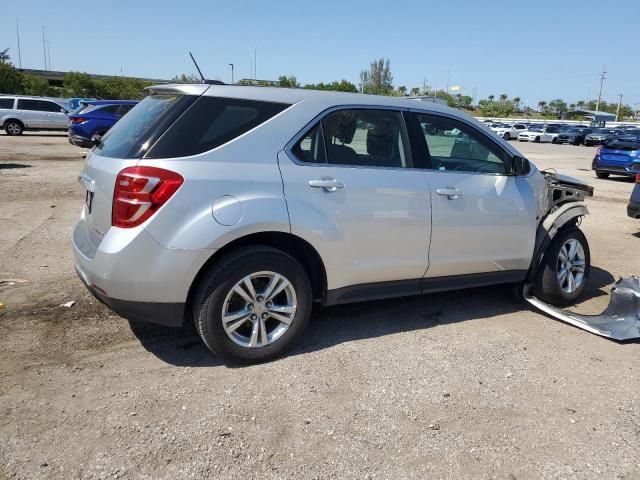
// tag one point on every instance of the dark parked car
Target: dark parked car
(633, 209)
(620, 156)
(574, 136)
(601, 135)
(95, 118)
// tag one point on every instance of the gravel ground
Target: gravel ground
(467, 384)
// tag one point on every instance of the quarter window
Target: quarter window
(454, 146)
(211, 122)
(6, 102)
(372, 138)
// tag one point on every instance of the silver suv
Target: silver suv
(237, 208)
(19, 113)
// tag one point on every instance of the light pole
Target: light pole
(44, 50)
(48, 44)
(602, 77)
(231, 65)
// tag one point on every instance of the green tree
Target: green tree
(516, 103)
(491, 97)
(186, 78)
(503, 97)
(378, 79)
(580, 104)
(464, 101)
(541, 105)
(120, 88)
(33, 85)
(558, 107)
(341, 86)
(288, 82)
(4, 56)
(415, 91)
(10, 79)
(78, 84)
(402, 91)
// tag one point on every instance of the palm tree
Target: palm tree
(4, 56)
(516, 103)
(491, 97)
(542, 104)
(503, 97)
(580, 104)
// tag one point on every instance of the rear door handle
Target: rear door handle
(326, 184)
(450, 192)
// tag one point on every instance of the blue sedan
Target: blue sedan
(96, 118)
(619, 156)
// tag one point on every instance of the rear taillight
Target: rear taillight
(638, 178)
(78, 120)
(598, 151)
(140, 192)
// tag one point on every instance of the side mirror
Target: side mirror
(519, 166)
(96, 139)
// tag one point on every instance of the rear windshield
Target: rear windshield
(211, 122)
(132, 136)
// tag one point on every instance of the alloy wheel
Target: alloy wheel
(571, 265)
(259, 309)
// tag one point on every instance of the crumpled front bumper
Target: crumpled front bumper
(620, 320)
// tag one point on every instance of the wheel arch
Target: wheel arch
(567, 214)
(11, 119)
(291, 244)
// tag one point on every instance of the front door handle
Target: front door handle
(450, 192)
(326, 184)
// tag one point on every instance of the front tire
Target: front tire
(13, 128)
(506, 136)
(252, 305)
(565, 268)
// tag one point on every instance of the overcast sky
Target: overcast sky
(537, 50)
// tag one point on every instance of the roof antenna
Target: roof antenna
(204, 80)
(197, 67)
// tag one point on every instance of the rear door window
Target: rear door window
(211, 122)
(47, 106)
(32, 105)
(111, 109)
(6, 102)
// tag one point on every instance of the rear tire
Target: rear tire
(506, 136)
(536, 140)
(564, 273)
(13, 128)
(224, 293)
(602, 174)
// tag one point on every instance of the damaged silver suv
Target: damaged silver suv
(237, 208)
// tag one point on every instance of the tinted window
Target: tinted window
(211, 122)
(310, 148)
(112, 109)
(6, 102)
(132, 136)
(374, 138)
(24, 104)
(124, 109)
(47, 106)
(468, 151)
(552, 129)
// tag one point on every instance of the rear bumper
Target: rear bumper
(168, 314)
(129, 271)
(80, 141)
(633, 210)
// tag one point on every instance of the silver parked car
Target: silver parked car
(19, 113)
(237, 208)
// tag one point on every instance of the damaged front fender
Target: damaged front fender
(620, 320)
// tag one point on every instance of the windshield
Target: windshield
(603, 131)
(574, 130)
(536, 128)
(132, 136)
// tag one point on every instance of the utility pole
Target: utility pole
(48, 53)
(19, 51)
(602, 77)
(618, 109)
(255, 63)
(44, 50)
